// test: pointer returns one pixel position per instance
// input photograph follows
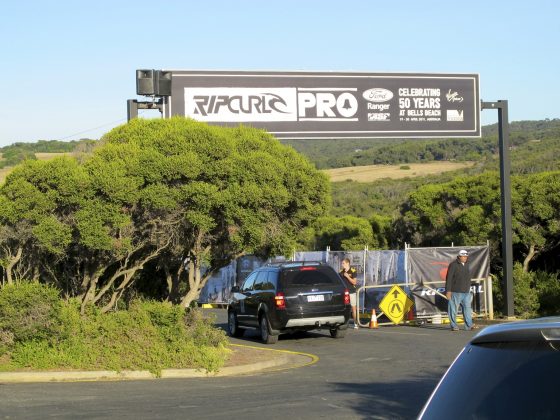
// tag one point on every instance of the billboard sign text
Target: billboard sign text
(331, 105)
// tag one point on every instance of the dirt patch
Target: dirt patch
(248, 355)
(373, 173)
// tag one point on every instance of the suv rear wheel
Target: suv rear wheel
(233, 326)
(266, 337)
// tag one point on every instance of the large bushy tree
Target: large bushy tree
(37, 203)
(536, 214)
(467, 211)
(177, 193)
(345, 233)
(226, 192)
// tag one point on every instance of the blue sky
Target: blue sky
(68, 67)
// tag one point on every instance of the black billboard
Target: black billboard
(308, 105)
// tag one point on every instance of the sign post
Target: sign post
(505, 187)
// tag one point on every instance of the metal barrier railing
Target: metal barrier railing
(486, 312)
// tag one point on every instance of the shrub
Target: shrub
(148, 336)
(28, 311)
(497, 294)
(6, 340)
(202, 330)
(548, 287)
(525, 295)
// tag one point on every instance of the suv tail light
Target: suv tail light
(307, 268)
(281, 302)
(346, 297)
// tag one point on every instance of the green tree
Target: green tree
(36, 202)
(121, 226)
(381, 227)
(536, 214)
(224, 192)
(548, 287)
(345, 233)
(467, 211)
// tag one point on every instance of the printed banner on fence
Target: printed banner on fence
(427, 268)
(427, 272)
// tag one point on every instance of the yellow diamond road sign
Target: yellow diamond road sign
(396, 304)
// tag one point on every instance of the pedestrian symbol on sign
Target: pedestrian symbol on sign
(396, 304)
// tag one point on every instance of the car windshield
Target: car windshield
(311, 277)
(514, 380)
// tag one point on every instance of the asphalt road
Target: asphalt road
(386, 373)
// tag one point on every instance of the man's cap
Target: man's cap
(463, 253)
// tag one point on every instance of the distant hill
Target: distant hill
(537, 141)
(537, 127)
(535, 148)
(18, 152)
(329, 154)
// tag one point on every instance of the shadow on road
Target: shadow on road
(389, 400)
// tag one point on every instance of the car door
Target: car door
(245, 292)
(252, 302)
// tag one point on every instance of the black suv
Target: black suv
(288, 297)
(507, 371)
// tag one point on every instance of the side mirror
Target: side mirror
(235, 289)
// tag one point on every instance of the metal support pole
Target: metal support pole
(131, 109)
(505, 186)
(133, 106)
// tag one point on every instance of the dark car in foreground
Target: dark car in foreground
(507, 371)
(288, 297)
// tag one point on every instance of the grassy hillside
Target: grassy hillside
(536, 138)
(373, 173)
(382, 197)
(362, 190)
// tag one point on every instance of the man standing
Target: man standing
(457, 290)
(348, 274)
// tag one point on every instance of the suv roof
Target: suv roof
(294, 264)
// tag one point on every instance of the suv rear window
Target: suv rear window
(309, 277)
(501, 380)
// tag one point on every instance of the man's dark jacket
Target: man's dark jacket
(458, 278)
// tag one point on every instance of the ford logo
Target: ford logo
(378, 95)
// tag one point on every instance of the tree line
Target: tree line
(19, 151)
(159, 205)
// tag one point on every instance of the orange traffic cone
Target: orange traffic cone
(373, 321)
(410, 315)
